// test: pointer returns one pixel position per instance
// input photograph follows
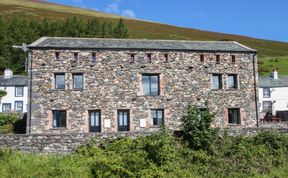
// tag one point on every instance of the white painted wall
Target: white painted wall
(11, 98)
(280, 95)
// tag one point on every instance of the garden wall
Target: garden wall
(67, 143)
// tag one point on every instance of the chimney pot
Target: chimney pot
(275, 74)
(8, 73)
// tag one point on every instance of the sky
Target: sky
(266, 19)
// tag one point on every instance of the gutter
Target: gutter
(255, 89)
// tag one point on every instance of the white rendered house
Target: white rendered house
(17, 92)
(273, 95)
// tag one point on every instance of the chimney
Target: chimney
(275, 74)
(8, 73)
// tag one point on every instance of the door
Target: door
(95, 121)
(123, 120)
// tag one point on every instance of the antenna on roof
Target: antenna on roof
(23, 47)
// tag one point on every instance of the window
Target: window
(6, 107)
(266, 93)
(95, 121)
(18, 106)
(166, 57)
(57, 56)
(77, 81)
(150, 84)
(123, 120)
(149, 57)
(132, 58)
(59, 118)
(76, 57)
(232, 81)
(201, 58)
(217, 59)
(19, 91)
(234, 116)
(59, 81)
(94, 58)
(157, 117)
(216, 81)
(267, 105)
(233, 59)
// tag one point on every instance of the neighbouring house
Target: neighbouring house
(17, 92)
(273, 96)
(108, 85)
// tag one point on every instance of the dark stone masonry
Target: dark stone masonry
(115, 76)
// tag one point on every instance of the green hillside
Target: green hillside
(139, 28)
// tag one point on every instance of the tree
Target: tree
(120, 30)
(196, 125)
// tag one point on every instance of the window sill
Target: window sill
(233, 89)
(59, 128)
(234, 125)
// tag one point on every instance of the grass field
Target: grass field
(279, 63)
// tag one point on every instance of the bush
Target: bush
(8, 121)
(196, 127)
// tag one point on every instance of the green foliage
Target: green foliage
(267, 64)
(196, 127)
(16, 31)
(8, 121)
(158, 155)
(2, 93)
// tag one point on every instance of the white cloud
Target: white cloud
(128, 13)
(77, 1)
(113, 7)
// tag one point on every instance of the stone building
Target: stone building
(109, 85)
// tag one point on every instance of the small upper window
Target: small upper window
(202, 58)
(57, 56)
(217, 59)
(149, 57)
(76, 57)
(94, 58)
(19, 90)
(166, 58)
(266, 93)
(132, 58)
(233, 58)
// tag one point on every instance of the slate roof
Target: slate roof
(102, 43)
(271, 82)
(16, 80)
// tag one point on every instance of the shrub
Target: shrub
(196, 127)
(8, 120)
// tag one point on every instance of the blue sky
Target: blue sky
(267, 19)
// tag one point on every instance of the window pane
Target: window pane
(154, 85)
(230, 82)
(6, 107)
(146, 85)
(125, 118)
(216, 82)
(78, 81)
(18, 105)
(59, 118)
(60, 81)
(19, 91)
(234, 116)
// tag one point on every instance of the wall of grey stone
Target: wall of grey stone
(114, 83)
(58, 143)
(68, 143)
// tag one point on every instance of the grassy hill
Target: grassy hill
(143, 29)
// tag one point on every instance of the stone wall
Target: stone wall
(67, 143)
(58, 143)
(114, 83)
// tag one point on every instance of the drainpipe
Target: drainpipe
(255, 89)
(30, 91)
